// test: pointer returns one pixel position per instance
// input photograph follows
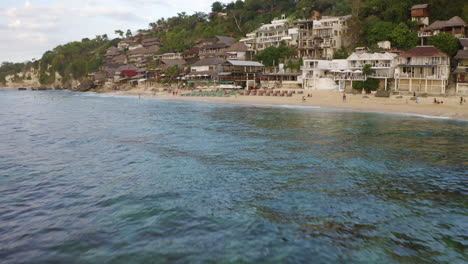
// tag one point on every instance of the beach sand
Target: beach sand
(450, 108)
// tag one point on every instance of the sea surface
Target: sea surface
(88, 178)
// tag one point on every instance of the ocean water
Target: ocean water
(88, 178)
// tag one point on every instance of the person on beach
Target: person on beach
(344, 97)
(303, 99)
(461, 100)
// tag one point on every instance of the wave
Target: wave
(300, 106)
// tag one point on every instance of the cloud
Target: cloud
(34, 26)
(114, 13)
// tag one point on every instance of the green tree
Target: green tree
(128, 34)
(379, 31)
(402, 37)
(172, 72)
(367, 70)
(446, 43)
(272, 56)
(304, 8)
(119, 32)
(341, 54)
(217, 7)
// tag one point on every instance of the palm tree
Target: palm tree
(119, 32)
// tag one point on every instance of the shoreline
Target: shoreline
(322, 99)
(331, 100)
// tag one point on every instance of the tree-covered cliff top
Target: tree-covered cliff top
(375, 20)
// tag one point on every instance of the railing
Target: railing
(427, 61)
(323, 36)
(269, 39)
(424, 34)
(380, 65)
(376, 75)
(349, 78)
(429, 77)
(322, 26)
(423, 64)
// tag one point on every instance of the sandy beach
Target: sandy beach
(450, 108)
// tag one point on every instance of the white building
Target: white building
(382, 64)
(423, 69)
(321, 74)
(328, 36)
(272, 35)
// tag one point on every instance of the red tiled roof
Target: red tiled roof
(424, 51)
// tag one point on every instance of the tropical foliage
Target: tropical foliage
(17, 70)
(74, 60)
(374, 20)
(272, 56)
(446, 43)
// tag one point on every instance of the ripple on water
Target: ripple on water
(87, 178)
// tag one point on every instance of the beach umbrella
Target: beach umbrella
(358, 71)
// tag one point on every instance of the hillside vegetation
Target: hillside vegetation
(375, 20)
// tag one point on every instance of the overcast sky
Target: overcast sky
(31, 27)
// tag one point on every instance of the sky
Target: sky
(28, 28)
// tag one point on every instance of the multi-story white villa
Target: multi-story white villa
(321, 74)
(305, 39)
(423, 69)
(382, 64)
(272, 35)
(327, 37)
(250, 41)
(318, 39)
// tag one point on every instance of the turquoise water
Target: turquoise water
(86, 178)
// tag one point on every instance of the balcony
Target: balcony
(424, 34)
(424, 61)
(349, 77)
(420, 76)
(373, 65)
(326, 26)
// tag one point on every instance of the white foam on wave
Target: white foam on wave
(103, 95)
(300, 106)
(429, 116)
(281, 106)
